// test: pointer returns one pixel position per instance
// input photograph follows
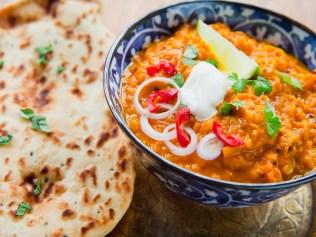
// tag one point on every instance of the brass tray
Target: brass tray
(157, 212)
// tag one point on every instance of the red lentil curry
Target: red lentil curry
(256, 154)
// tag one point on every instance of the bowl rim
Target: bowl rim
(201, 178)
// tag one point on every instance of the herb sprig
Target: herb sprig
(290, 80)
(260, 84)
(273, 122)
(39, 122)
(42, 54)
(38, 187)
(190, 55)
(6, 139)
(23, 209)
(227, 107)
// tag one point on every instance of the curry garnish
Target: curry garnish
(261, 86)
(239, 85)
(178, 79)
(228, 140)
(273, 122)
(292, 81)
(212, 61)
(190, 55)
(227, 107)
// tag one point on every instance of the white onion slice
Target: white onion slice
(210, 147)
(182, 151)
(144, 111)
(165, 105)
(150, 132)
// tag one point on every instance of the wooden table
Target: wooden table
(156, 212)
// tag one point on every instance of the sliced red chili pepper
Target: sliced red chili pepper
(152, 70)
(228, 140)
(168, 67)
(163, 96)
(165, 65)
(182, 117)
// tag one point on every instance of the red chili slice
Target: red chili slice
(182, 117)
(228, 140)
(152, 70)
(163, 96)
(165, 65)
(168, 67)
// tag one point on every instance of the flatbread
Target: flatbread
(85, 163)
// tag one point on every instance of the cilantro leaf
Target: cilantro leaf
(42, 54)
(1, 64)
(190, 52)
(239, 84)
(27, 113)
(286, 78)
(60, 69)
(233, 76)
(178, 79)
(23, 208)
(273, 123)
(261, 86)
(38, 187)
(38, 122)
(238, 104)
(213, 62)
(227, 108)
(189, 61)
(5, 139)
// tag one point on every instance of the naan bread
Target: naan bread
(85, 163)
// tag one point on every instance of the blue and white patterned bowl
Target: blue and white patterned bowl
(261, 24)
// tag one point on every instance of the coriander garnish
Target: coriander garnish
(1, 64)
(273, 123)
(23, 208)
(39, 122)
(292, 81)
(178, 79)
(239, 85)
(190, 54)
(38, 187)
(60, 69)
(42, 54)
(213, 62)
(5, 139)
(261, 86)
(227, 108)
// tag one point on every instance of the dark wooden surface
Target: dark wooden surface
(156, 212)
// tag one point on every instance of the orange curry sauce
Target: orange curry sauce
(262, 158)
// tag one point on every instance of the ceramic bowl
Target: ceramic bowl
(257, 22)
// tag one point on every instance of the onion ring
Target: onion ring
(210, 147)
(144, 111)
(152, 133)
(180, 151)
